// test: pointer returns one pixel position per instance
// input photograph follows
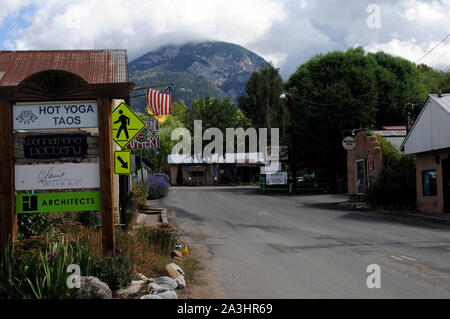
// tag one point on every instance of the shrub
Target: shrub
(31, 224)
(140, 192)
(158, 187)
(113, 270)
(396, 184)
(89, 218)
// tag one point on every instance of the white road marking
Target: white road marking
(396, 258)
(409, 258)
(263, 213)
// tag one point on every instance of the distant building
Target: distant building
(236, 168)
(429, 140)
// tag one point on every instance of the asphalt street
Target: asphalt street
(278, 246)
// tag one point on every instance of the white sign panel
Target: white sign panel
(280, 178)
(55, 116)
(57, 176)
(349, 143)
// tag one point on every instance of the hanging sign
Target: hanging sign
(150, 142)
(152, 125)
(57, 176)
(126, 125)
(55, 116)
(58, 202)
(349, 143)
(55, 146)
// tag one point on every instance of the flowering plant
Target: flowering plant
(140, 192)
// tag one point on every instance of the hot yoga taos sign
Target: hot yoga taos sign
(55, 115)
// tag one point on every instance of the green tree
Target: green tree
(336, 91)
(261, 102)
(347, 90)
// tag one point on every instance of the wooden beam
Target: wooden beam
(106, 174)
(8, 216)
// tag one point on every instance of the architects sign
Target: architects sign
(55, 146)
(57, 176)
(55, 116)
(58, 202)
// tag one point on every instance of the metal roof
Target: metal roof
(94, 66)
(431, 130)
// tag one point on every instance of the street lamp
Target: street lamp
(291, 152)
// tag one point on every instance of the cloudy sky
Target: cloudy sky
(286, 32)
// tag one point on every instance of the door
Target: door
(446, 184)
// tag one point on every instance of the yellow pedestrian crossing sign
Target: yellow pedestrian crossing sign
(125, 124)
(122, 162)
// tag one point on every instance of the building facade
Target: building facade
(429, 141)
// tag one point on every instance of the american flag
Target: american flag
(159, 103)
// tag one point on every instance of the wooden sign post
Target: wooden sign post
(51, 108)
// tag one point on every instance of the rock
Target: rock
(151, 297)
(151, 286)
(160, 290)
(168, 295)
(150, 280)
(93, 288)
(132, 289)
(177, 255)
(142, 277)
(164, 280)
(180, 282)
(171, 271)
(177, 268)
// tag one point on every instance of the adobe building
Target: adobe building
(429, 141)
(363, 163)
(35, 83)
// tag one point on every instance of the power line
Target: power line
(443, 40)
(440, 56)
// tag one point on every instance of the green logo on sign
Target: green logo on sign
(58, 202)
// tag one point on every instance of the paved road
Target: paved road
(267, 246)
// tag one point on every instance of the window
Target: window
(429, 185)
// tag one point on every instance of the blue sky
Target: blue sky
(286, 32)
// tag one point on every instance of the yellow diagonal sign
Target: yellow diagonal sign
(126, 125)
(122, 162)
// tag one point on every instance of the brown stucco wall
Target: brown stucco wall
(427, 161)
(365, 146)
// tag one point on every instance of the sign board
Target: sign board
(150, 142)
(57, 176)
(58, 202)
(126, 125)
(280, 178)
(349, 143)
(55, 146)
(152, 125)
(122, 162)
(55, 116)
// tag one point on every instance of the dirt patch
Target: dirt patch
(206, 283)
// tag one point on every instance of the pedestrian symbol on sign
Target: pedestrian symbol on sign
(124, 122)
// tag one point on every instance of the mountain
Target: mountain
(217, 69)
